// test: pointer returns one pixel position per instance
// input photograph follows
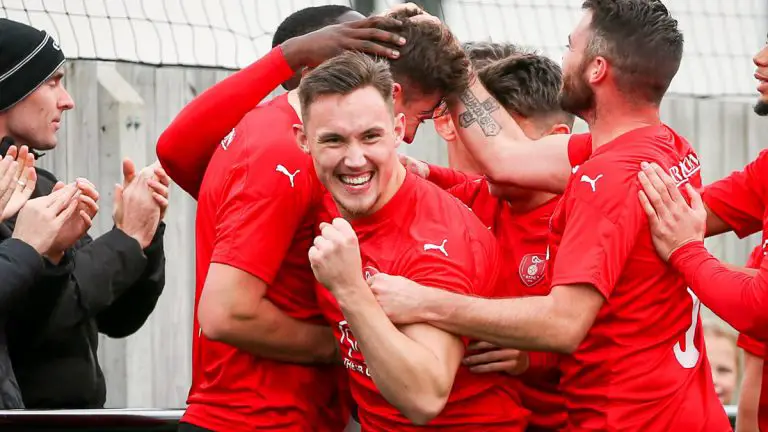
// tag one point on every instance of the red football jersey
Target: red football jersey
(642, 365)
(254, 213)
(748, 344)
(741, 201)
(427, 236)
(522, 238)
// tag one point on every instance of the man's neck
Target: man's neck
(527, 203)
(606, 126)
(295, 103)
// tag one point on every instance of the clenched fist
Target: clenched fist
(335, 256)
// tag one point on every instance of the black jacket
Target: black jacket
(19, 265)
(108, 285)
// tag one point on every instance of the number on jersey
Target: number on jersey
(690, 356)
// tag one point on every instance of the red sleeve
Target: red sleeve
(261, 209)
(445, 178)
(739, 299)
(752, 346)
(737, 199)
(186, 146)
(601, 228)
(540, 362)
(467, 192)
(579, 148)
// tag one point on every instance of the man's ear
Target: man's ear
(399, 128)
(301, 138)
(444, 127)
(559, 129)
(305, 71)
(397, 91)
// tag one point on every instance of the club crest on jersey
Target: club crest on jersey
(533, 267)
(369, 271)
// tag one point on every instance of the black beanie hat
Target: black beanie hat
(28, 57)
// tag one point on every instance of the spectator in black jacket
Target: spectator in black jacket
(108, 285)
(21, 255)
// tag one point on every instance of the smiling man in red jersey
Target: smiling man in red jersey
(631, 331)
(380, 218)
(739, 203)
(254, 226)
(527, 86)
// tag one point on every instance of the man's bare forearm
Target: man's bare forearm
(501, 148)
(523, 323)
(406, 373)
(267, 331)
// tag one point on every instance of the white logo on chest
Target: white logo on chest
(228, 139)
(441, 248)
(283, 170)
(593, 183)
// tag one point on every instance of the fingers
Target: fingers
(158, 187)
(656, 181)
(376, 21)
(118, 195)
(88, 205)
(653, 218)
(129, 171)
(160, 200)
(67, 210)
(22, 159)
(696, 202)
(87, 188)
(490, 357)
(162, 176)
(13, 151)
(655, 199)
(30, 180)
(494, 367)
(669, 183)
(61, 200)
(86, 219)
(58, 186)
(481, 345)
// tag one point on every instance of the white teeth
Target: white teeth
(356, 180)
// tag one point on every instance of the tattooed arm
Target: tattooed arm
(501, 148)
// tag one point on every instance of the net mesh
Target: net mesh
(721, 36)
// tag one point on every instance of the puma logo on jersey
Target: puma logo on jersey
(228, 139)
(576, 168)
(283, 170)
(591, 182)
(765, 248)
(441, 248)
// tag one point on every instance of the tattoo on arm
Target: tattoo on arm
(479, 112)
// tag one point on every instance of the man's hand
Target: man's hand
(314, 48)
(41, 220)
(673, 222)
(415, 166)
(158, 182)
(487, 358)
(17, 180)
(79, 223)
(400, 298)
(335, 256)
(137, 210)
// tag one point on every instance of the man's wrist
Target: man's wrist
(54, 256)
(352, 294)
(434, 307)
(293, 53)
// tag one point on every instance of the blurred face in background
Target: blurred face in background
(723, 359)
(761, 61)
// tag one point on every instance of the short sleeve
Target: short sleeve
(579, 148)
(740, 199)
(467, 192)
(603, 221)
(459, 263)
(264, 201)
(752, 346)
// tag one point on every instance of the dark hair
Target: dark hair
(642, 42)
(344, 74)
(308, 20)
(432, 61)
(527, 84)
(483, 53)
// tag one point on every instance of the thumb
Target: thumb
(129, 170)
(58, 186)
(118, 199)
